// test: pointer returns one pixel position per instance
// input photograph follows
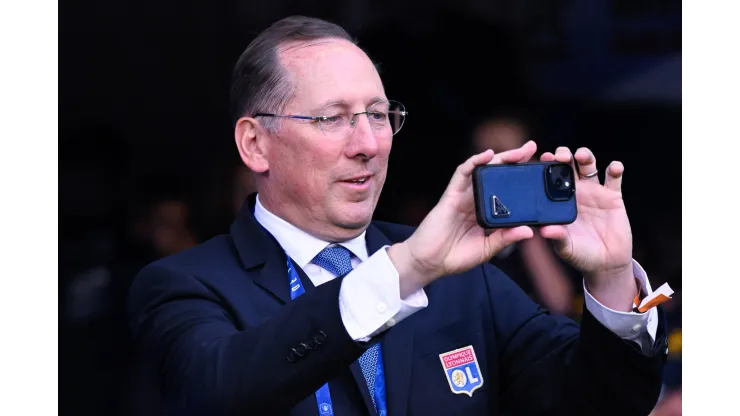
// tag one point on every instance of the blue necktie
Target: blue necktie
(337, 260)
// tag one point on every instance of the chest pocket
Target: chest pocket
(441, 390)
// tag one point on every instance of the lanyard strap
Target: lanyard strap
(323, 396)
(380, 402)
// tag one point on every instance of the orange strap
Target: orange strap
(657, 300)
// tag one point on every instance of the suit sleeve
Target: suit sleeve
(550, 365)
(208, 366)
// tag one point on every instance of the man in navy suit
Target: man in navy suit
(308, 307)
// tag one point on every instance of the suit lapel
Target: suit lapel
(259, 251)
(397, 345)
(398, 348)
(362, 385)
(305, 280)
(355, 369)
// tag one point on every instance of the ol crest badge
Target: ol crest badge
(462, 370)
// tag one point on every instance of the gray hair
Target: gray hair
(259, 84)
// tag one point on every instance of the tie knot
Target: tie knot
(335, 259)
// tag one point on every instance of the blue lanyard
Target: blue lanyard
(323, 397)
(380, 403)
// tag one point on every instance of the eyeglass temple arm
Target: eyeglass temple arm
(283, 116)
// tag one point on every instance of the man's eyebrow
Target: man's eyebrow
(332, 102)
(344, 103)
(375, 100)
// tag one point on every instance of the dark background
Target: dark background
(144, 118)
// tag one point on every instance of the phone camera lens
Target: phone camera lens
(559, 182)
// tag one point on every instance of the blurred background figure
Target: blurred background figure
(533, 263)
(99, 256)
(165, 228)
(501, 133)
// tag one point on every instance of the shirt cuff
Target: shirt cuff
(370, 298)
(627, 325)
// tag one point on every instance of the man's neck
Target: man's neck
(298, 243)
(276, 209)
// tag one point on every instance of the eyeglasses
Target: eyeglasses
(338, 123)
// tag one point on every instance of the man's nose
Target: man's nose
(363, 140)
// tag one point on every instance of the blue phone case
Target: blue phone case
(510, 195)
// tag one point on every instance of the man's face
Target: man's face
(310, 175)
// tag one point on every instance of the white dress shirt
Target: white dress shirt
(370, 297)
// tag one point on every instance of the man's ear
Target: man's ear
(250, 140)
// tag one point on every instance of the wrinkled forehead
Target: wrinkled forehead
(330, 70)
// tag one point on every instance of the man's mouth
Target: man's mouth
(358, 180)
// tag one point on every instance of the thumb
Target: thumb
(558, 234)
(504, 237)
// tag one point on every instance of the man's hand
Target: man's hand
(449, 240)
(599, 242)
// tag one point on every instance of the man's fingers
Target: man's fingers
(554, 232)
(563, 155)
(547, 157)
(466, 169)
(518, 155)
(504, 237)
(559, 236)
(461, 177)
(614, 174)
(586, 165)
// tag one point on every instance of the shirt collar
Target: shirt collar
(301, 246)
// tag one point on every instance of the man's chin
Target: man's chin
(354, 220)
(354, 217)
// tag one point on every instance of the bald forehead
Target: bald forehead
(330, 69)
(295, 53)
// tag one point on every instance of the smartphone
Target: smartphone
(537, 193)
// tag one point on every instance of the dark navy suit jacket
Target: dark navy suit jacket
(218, 329)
